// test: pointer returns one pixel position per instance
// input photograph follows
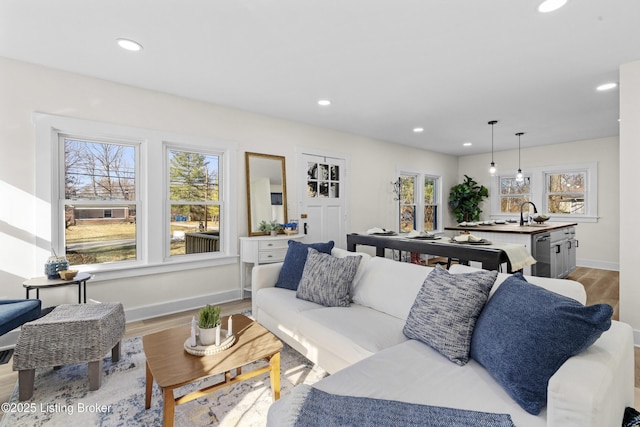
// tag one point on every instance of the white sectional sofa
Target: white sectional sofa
(365, 350)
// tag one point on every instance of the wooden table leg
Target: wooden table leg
(275, 375)
(149, 388)
(169, 407)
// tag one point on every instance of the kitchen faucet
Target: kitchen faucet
(535, 211)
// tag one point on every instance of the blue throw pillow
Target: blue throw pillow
(294, 261)
(525, 333)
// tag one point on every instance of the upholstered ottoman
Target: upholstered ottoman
(70, 334)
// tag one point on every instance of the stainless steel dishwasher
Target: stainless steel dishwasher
(541, 251)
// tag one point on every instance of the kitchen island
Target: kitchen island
(552, 244)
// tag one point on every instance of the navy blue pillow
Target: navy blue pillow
(294, 261)
(525, 333)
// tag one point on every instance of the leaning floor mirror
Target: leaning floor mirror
(266, 190)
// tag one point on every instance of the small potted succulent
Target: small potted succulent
(271, 227)
(209, 325)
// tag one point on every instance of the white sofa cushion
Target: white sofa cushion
(357, 331)
(568, 288)
(415, 373)
(364, 259)
(390, 286)
(282, 304)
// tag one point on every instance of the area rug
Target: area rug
(62, 397)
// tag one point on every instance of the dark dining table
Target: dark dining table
(490, 257)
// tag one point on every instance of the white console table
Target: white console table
(262, 250)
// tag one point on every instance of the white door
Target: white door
(323, 213)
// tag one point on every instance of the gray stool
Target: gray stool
(70, 334)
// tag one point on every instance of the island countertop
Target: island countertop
(515, 227)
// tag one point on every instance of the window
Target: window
(407, 203)
(99, 180)
(564, 193)
(194, 198)
(323, 180)
(430, 204)
(419, 201)
(514, 193)
(109, 202)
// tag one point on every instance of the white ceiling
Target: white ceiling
(388, 66)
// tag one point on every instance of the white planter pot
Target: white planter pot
(208, 336)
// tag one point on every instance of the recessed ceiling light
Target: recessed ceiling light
(324, 102)
(418, 130)
(551, 5)
(129, 45)
(467, 144)
(607, 86)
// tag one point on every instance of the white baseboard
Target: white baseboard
(636, 338)
(178, 306)
(602, 265)
(135, 314)
(9, 339)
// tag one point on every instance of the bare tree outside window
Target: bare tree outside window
(407, 203)
(430, 204)
(100, 201)
(513, 194)
(566, 193)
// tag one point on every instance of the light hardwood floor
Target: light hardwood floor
(602, 286)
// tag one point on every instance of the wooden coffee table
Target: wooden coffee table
(172, 367)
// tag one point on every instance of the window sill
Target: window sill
(136, 270)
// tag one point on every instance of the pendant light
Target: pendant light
(492, 169)
(519, 176)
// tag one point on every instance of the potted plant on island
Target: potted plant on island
(465, 199)
(209, 325)
(271, 227)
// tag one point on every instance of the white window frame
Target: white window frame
(151, 184)
(419, 197)
(496, 205)
(539, 192)
(221, 202)
(58, 178)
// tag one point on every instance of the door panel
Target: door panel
(323, 202)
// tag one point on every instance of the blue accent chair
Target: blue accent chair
(16, 312)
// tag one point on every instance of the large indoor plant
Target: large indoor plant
(465, 199)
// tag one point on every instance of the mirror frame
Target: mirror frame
(248, 156)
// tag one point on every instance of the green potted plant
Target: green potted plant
(209, 325)
(465, 199)
(271, 227)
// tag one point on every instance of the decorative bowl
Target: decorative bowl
(540, 218)
(68, 274)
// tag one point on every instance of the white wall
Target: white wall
(599, 242)
(629, 200)
(26, 88)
